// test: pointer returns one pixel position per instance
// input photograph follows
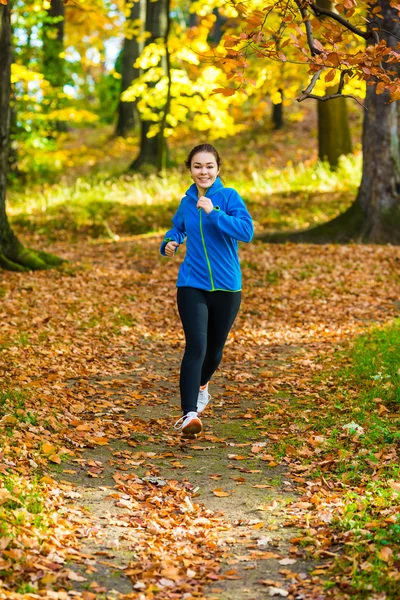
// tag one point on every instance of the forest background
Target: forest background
(100, 102)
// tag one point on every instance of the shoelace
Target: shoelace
(180, 424)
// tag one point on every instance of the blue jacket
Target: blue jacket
(211, 262)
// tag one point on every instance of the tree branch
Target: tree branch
(305, 95)
(341, 82)
(318, 10)
(310, 37)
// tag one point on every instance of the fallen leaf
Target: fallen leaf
(287, 561)
(220, 493)
(385, 553)
(274, 591)
(55, 458)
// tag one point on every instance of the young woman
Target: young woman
(211, 218)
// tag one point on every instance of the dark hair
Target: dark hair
(203, 148)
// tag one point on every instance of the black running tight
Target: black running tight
(207, 318)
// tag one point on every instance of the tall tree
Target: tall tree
(13, 255)
(334, 137)
(131, 50)
(153, 149)
(53, 44)
(53, 58)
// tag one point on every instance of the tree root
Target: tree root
(347, 227)
(22, 259)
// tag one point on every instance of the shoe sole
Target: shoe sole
(192, 428)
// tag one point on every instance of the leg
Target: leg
(193, 310)
(223, 308)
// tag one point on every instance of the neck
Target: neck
(201, 191)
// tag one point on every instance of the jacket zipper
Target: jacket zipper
(205, 251)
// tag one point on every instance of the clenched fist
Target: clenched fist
(170, 248)
(206, 204)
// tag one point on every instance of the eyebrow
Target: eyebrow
(208, 163)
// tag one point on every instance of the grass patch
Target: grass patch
(359, 422)
(106, 205)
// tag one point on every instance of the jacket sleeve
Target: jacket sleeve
(177, 233)
(236, 222)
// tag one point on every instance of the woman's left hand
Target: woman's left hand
(206, 204)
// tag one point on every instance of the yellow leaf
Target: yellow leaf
(48, 448)
(9, 420)
(47, 479)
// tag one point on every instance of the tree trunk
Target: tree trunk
(379, 193)
(277, 112)
(13, 255)
(153, 150)
(334, 138)
(127, 115)
(53, 48)
(217, 33)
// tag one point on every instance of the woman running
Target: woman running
(212, 218)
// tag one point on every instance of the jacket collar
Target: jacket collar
(216, 186)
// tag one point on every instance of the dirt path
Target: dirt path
(96, 347)
(225, 469)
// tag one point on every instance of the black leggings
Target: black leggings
(207, 318)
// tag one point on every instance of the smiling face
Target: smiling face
(204, 170)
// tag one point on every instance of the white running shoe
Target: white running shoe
(189, 424)
(203, 399)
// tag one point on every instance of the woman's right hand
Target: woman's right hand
(170, 248)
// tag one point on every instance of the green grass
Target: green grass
(13, 403)
(369, 384)
(106, 205)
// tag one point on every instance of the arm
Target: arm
(177, 233)
(238, 223)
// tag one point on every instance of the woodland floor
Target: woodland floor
(94, 349)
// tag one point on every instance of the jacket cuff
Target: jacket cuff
(163, 244)
(214, 214)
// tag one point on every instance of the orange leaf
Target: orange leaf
(380, 88)
(256, 449)
(385, 554)
(224, 91)
(55, 458)
(395, 485)
(100, 441)
(330, 75)
(220, 493)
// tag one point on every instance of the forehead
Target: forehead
(204, 157)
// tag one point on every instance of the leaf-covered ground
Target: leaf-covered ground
(98, 495)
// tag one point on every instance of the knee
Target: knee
(196, 351)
